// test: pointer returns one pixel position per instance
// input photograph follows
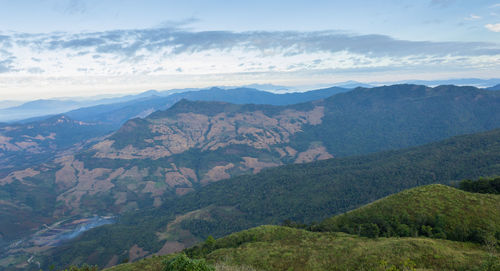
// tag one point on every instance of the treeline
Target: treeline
(435, 211)
(483, 185)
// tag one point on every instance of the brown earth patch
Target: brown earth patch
(19, 175)
(28, 146)
(88, 182)
(157, 202)
(182, 191)
(136, 252)
(196, 214)
(66, 176)
(104, 146)
(120, 198)
(113, 261)
(175, 233)
(291, 151)
(6, 145)
(174, 179)
(41, 137)
(217, 173)
(281, 152)
(105, 150)
(256, 165)
(154, 189)
(171, 247)
(313, 154)
(189, 173)
(135, 173)
(106, 184)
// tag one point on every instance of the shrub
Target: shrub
(183, 263)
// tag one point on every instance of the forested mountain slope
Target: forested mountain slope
(170, 153)
(302, 193)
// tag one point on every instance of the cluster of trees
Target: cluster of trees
(483, 185)
(433, 211)
(183, 263)
(393, 226)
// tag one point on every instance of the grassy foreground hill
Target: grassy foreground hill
(302, 193)
(283, 248)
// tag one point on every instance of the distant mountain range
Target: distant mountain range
(458, 82)
(10, 103)
(497, 87)
(39, 109)
(45, 107)
(33, 110)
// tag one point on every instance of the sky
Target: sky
(56, 48)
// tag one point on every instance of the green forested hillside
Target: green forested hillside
(302, 193)
(391, 117)
(435, 211)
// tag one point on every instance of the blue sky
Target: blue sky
(77, 48)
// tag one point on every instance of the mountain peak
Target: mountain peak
(151, 92)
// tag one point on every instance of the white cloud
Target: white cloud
(493, 27)
(473, 17)
(162, 58)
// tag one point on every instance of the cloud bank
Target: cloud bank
(101, 60)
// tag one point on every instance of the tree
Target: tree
(210, 242)
(426, 230)
(370, 230)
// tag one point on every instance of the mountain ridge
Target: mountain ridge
(159, 160)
